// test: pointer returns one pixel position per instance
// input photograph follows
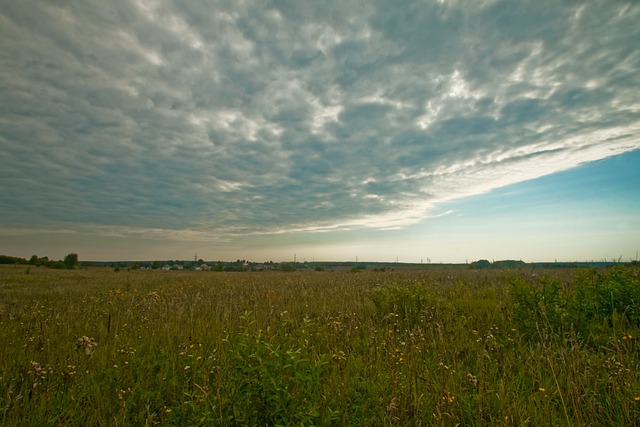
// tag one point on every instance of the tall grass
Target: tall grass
(433, 347)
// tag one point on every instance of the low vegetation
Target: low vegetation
(447, 346)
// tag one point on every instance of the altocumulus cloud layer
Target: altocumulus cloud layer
(208, 120)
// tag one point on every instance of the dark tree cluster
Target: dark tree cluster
(69, 262)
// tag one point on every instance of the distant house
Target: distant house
(166, 267)
(204, 267)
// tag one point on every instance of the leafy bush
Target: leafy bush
(540, 304)
(593, 298)
(271, 384)
(614, 294)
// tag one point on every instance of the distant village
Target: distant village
(191, 265)
(239, 265)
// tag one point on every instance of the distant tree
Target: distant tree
(33, 260)
(58, 265)
(4, 259)
(483, 263)
(71, 261)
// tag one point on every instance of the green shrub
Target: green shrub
(271, 383)
(539, 304)
(591, 300)
(604, 297)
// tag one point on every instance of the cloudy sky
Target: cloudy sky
(411, 130)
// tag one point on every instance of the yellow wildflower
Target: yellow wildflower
(448, 398)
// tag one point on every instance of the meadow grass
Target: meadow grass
(429, 347)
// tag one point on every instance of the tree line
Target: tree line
(69, 262)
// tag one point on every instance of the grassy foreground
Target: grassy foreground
(433, 347)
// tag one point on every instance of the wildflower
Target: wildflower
(340, 355)
(122, 394)
(472, 379)
(542, 390)
(448, 398)
(38, 370)
(153, 297)
(87, 344)
(637, 399)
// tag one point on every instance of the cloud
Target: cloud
(243, 118)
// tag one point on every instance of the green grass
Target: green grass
(433, 347)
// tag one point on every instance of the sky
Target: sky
(417, 131)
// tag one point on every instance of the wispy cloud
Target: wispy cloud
(213, 120)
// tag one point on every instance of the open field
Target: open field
(433, 347)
